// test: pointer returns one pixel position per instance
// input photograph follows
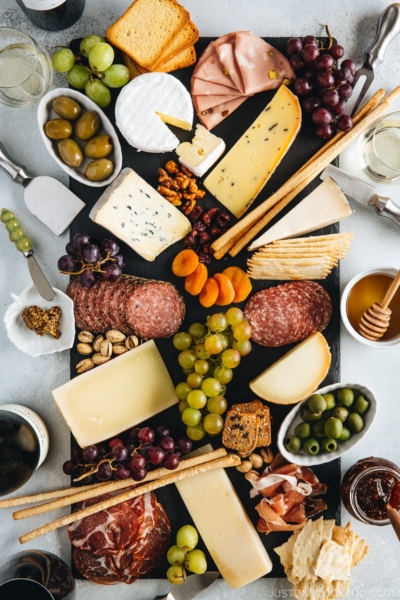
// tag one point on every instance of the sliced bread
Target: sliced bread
(262, 412)
(241, 432)
(185, 58)
(187, 36)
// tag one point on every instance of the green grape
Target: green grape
(186, 359)
(230, 359)
(201, 352)
(116, 76)
(176, 574)
(197, 331)
(223, 374)
(182, 390)
(89, 42)
(242, 331)
(196, 562)
(101, 56)
(12, 224)
(234, 316)
(187, 371)
(217, 405)
(213, 424)
(182, 340)
(98, 92)
(24, 244)
(63, 60)
(191, 416)
(195, 432)
(6, 215)
(223, 390)
(78, 77)
(218, 322)
(214, 344)
(197, 399)
(16, 235)
(182, 406)
(187, 537)
(211, 387)
(243, 347)
(194, 380)
(225, 340)
(201, 366)
(176, 555)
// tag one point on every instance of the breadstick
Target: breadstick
(43, 496)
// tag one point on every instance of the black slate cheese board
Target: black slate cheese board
(147, 165)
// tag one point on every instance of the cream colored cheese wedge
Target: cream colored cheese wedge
(202, 152)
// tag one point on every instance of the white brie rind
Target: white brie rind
(146, 104)
(202, 152)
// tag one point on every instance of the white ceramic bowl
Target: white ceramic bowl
(26, 340)
(293, 419)
(45, 112)
(391, 272)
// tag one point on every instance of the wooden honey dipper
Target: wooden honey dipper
(375, 321)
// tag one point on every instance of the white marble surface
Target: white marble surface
(377, 242)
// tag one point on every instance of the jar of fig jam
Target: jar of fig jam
(366, 489)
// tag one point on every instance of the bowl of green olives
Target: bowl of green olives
(328, 424)
(80, 137)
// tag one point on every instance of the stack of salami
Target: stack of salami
(231, 69)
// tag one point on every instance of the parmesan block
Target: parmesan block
(296, 375)
(117, 395)
(324, 206)
(224, 526)
(240, 176)
(139, 216)
(203, 151)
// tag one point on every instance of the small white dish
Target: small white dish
(28, 341)
(293, 419)
(391, 272)
(45, 112)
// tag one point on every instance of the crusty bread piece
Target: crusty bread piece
(241, 432)
(262, 412)
(185, 58)
(146, 29)
(133, 70)
(187, 36)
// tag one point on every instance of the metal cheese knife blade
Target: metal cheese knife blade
(46, 198)
(363, 193)
(194, 585)
(39, 278)
(387, 29)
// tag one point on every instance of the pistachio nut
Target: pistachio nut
(99, 359)
(252, 475)
(115, 337)
(244, 467)
(119, 349)
(97, 342)
(85, 337)
(85, 349)
(85, 365)
(106, 348)
(131, 342)
(256, 460)
(267, 455)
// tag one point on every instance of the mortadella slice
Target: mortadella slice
(204, 102)
(218, 113)
(226, 53)
(228, 37)
(207, 88)
(213, 70)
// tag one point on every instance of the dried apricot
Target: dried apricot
(209, 293)
(226, 290)
(194, 282)
(185, 263)
(240, 281)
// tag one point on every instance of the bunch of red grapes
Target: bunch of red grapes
(323, 85)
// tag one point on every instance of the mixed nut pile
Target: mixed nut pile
(101, 348)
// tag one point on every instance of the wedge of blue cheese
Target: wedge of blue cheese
(139, 216)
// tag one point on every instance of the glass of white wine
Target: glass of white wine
(381, 150)
(25, 69)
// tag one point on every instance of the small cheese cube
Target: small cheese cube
(203, 151)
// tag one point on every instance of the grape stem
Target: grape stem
(330, 40)
(89, 266)
(95, 468)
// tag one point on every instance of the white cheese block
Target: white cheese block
(296, 375)
(139, 216)
(144, 106)
(224, 526)
(324, 206)
(202, 152)
(117, 395)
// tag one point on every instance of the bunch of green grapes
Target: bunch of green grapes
(184, 556)
(208, 355)
(98, 75)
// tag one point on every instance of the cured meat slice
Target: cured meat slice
(226, 53)
(105, 306)
(103, 283)
(88, 309)
(207, 88)
(204, 102)
(118, 322)
(213, 70)
(218, 113)
(228, 37)
(95, 568)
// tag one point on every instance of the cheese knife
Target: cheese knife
(46, 198)
(194, 585)
(363, 193)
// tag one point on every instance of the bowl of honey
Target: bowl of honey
(360, 293)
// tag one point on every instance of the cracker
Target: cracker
(306, 550)
(327, 529)
(262, 411)
(241, 432)
(333, 562)
(360, 551)
(285, 553)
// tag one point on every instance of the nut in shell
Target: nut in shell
(85, 337)
(99, 339)
(252, 475)
(244, 467)
(119, 349)
(256, 460)
(84, 349)
(106, 348)
(99, 359)
(115, 337)
(131, 342)
(85, 365)
(267, 455)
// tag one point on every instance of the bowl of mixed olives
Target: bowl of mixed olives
(326, 425)
(79, 137)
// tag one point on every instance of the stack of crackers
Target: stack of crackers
(318, 559)
(300, 258)
(247, 426)
(155, 35)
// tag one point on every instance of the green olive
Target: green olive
(340, 412)
(319, 428)
(355, 423)
(329, 444)
(345, 397)
(70, 153)
(98, 147)
(302, 430)
(293, 444)
(345, 435)
(87, 125)
(311, 446)
(333, 428)
(58, 129)
(66, 108)
(360, 405)
(99, 169)
(307, 415)
(316, 403)
(330, 401)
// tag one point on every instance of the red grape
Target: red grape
(155, 456)
(344, 123)
(121, 472)
(69, 467)
(137, 463)
(112, 272)
(345, 91)
(310, 53)
(167, 444)
(309, 104)
(171, 461)
(90, 453)
(80, 240)
(139, 475)
(346, 74)
(349, 64)
(309, 73)
(87, 279)
(302, 86)
(76, 454)
(338, 77)
(185, 444)
(70, 249)
(325, 79)
(293, 46)
(324, 131)
(339, 108)
(101, 449)
(133, 433)
(325, 62)
(336, 51)
(146, 435)
(321, 116)
(110, 247)
(296, 62)
(120, 453)
(115, 442)
(66, 263)
(130, 448)
(91, 253)
(163, 431)
(119, 260)
(330, 98)
(310, 40)
(104, 472)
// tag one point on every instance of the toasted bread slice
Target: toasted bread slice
(185, 58)
(262, 412)
(132, 66)
(241, 432)
(187, 36)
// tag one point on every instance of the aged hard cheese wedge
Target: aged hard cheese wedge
(117, 395)
(324, 206)
(203, 151)
(224, 525)
(242, 173)
(297, 374)
(139, 216)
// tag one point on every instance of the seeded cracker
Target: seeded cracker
(262, 411)
(241, 432)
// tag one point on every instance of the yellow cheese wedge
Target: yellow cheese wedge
(224, 525)
(297, 374)
(242, 173)
(113, 397)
